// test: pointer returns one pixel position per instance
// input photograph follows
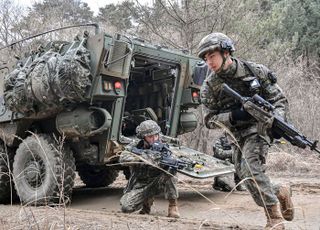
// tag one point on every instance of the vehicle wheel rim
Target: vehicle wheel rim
(34, 172)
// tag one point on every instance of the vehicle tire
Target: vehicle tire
(97, 176)
(44, 174)
(7, 191)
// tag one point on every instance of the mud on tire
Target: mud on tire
(7, 191)
(97, 176)
(43, 173)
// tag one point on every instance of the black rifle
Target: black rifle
(262, 110)
(165, 156)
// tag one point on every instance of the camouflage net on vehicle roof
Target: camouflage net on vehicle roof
(50, 82)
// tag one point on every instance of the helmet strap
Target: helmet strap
(224, 59)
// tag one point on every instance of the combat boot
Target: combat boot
(146, 208)
(173, 208)
(274, 218)
(286, 206)
(221, 184)
(241, 186)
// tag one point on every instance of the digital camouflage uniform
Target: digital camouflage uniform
(145, 180)
(250, 161)
(223, 150)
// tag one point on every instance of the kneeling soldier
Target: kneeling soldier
(145, 180)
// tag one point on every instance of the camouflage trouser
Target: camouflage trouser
(224, 154)
(133, 200)
(251, 162)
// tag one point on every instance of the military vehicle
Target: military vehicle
(73, 106)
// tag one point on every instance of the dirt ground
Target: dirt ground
(201, 207)
(99, 209)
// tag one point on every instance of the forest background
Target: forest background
(283, 35)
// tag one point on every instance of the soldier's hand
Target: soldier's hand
(152, 155)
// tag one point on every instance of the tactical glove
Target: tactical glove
(239, 115)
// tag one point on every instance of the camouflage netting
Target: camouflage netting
(49, 83)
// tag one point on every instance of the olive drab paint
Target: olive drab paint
(92, 93)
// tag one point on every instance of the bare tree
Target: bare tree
(9, 15)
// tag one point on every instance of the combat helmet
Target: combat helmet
(147, 128)
(215, 41)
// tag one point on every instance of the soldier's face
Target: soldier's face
(151, 139)
(214, 60)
